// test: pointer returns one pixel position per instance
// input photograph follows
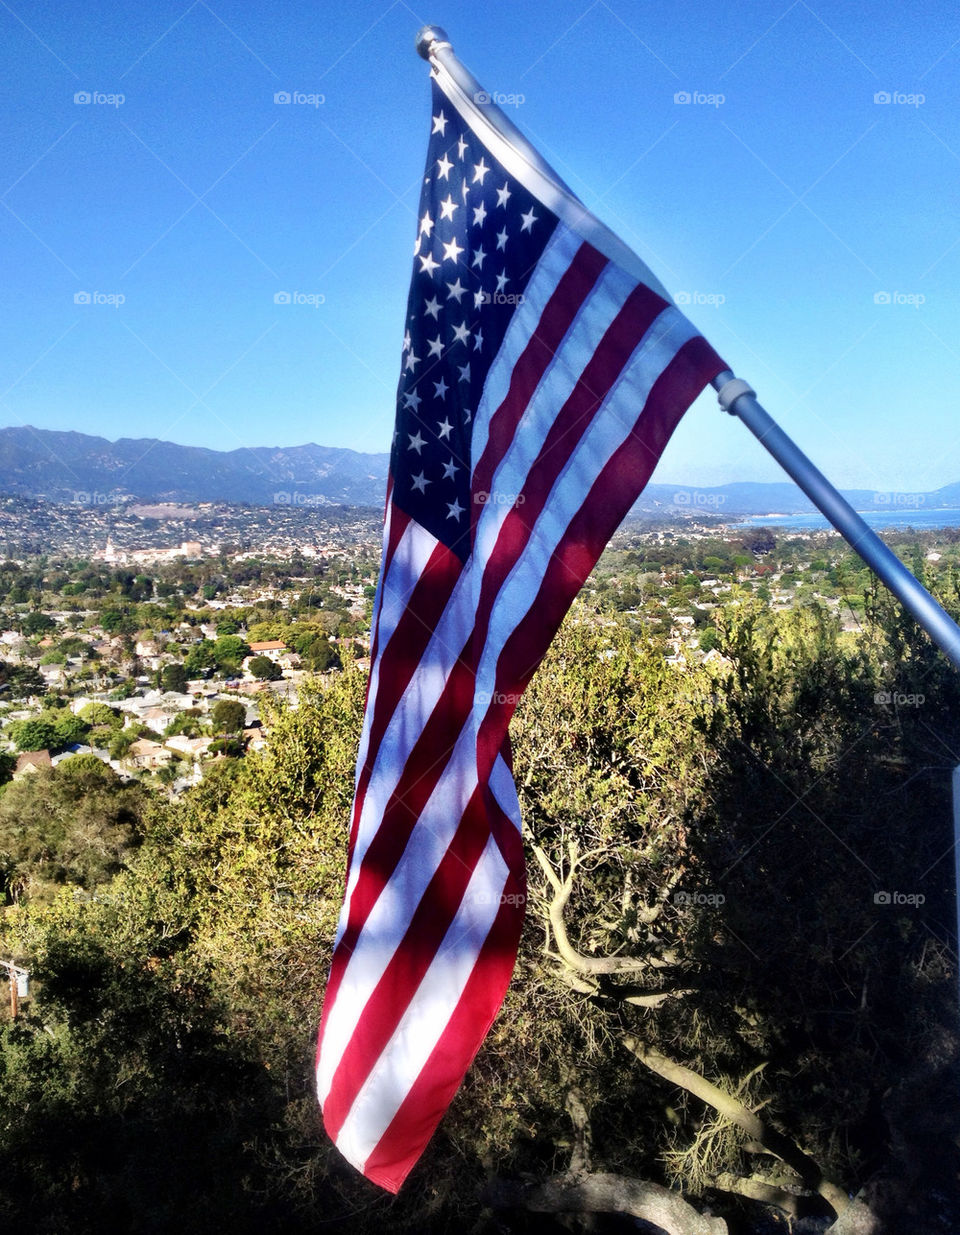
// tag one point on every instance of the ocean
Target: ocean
(877, 519)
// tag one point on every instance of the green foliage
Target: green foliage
(68, 824)
(228, 716)
(174, 677)
(33, 734)
(264, 669)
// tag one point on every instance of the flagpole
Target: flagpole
(737, 398)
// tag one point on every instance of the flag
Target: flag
(543, 370)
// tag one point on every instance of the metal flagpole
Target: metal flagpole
(735, 395)
(739, 400)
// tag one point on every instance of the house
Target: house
(147, 754)
(268, 647)
(192, 747)
(32, 761)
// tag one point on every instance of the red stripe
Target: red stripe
(402, 655)
(428, 1098)
(414, 954)
(602, 510)
(558, 315)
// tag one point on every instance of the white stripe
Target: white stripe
(427, 1017)
(553, 265)
(393, 592)
(609, 428)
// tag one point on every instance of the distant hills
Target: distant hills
(77, 467)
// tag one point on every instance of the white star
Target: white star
(479, 298)
(501, 240)
(411, 362)
(478, 256)
(436, 347)
(447, 208)
(416, 442)
(461, 147)
(528, 220)
(443, 168)
(479, 171)
(432, 307)
(503, 195)
(450, 470)
(441, 388)
(420, 483)
(456, 291)
(426, 224)
(406, 341)
(461, 333)
(427, 264)
(478, 341)
(479, 214)
(444, 428)
(440, 125)
(463, 189)
(464, 373)
(502, 280)
(455, 510)
(467, 416)
(451, 250)
(412, 399)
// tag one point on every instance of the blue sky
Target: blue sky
(814, 231)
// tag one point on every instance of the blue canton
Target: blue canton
(480, 236)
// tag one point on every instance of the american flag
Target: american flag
(540, 382)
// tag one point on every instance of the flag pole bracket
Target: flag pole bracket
(731, 390)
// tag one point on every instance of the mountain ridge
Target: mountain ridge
(70, 466)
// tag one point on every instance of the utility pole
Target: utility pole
(19, 986)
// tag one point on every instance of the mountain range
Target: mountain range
(80, 468)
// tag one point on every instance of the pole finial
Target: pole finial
(429, 38)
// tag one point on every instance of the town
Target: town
(149, 638)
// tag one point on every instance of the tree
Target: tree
(200, 657)
(264, 669)
(32, 734)
(229, 652)
(228, 716)
(174, 677)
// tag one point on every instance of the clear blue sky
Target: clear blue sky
(782, 210)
